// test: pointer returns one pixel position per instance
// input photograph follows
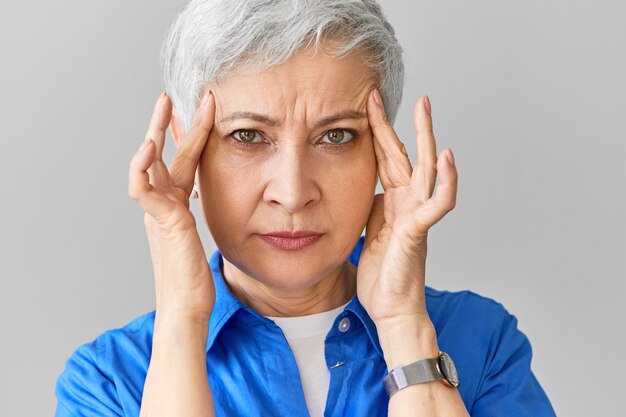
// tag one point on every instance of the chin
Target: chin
(289, 273)
(283, 271)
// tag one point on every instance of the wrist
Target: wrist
(406, 340)
(173, 330)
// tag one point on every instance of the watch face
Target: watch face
(448, 369)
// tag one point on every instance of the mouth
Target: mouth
(290, 241)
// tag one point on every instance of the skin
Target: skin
(290, 180)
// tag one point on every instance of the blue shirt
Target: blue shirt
(252, 370)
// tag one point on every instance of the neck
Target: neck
(332, 291)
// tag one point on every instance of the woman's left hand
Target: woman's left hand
(391, 269)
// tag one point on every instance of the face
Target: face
(291, 149)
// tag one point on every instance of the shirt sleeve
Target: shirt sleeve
(509, 387)
(84, 389)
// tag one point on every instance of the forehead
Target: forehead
(309, 80)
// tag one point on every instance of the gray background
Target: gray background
(527, 95)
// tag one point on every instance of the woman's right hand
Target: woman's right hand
(183, 281)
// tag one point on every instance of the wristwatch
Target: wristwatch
(440, 368)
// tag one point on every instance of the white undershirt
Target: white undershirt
(305, 335)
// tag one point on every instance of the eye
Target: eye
(339, 136)
(246, 136)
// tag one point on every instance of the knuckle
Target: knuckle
(134, 193)
(134, 163)
(148, 220)
(204, 130)
(198, 124)
(426, 127)
(185, 158)
(426, 130)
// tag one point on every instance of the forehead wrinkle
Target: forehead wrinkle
(269, 121)
(281, 103)
(250, 115)
(287, 106)
(325, 103)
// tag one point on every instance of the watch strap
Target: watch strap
(424, 370)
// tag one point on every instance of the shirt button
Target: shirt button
(344, 325)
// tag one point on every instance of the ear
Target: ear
(176, 127)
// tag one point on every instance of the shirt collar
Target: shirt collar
(226, 304)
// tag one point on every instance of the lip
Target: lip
(295, 240)
(293, 235)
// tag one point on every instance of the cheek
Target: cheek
(233, 180)
(350, 183)
(230, 189)
(360, 167)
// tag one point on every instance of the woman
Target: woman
(296, 313)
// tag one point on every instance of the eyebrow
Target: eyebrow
(262, 118)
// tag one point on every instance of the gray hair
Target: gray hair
(211, 39)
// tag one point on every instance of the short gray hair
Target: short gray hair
(211, 39)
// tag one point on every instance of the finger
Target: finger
(139, 187)
(444, 199)
(426, 148)
(186, 160)
(394, 166)
(159, 122)
(376, 219)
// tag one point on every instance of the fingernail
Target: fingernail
(377, 97)
(427, 104)
(450, 156)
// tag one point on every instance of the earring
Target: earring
(194, 192)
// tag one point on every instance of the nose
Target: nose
(292, 182)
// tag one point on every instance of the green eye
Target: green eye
(246, 135)
(337, 136)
